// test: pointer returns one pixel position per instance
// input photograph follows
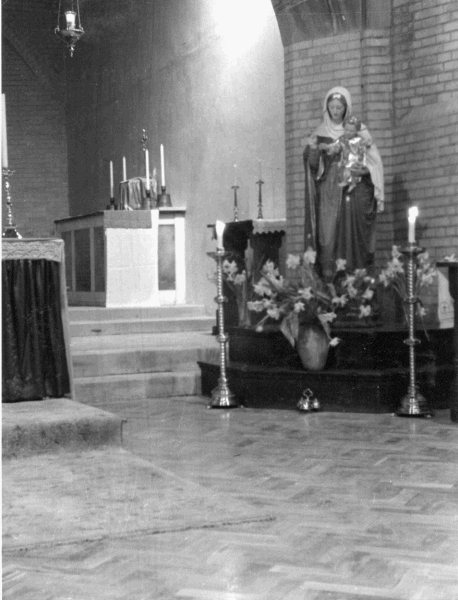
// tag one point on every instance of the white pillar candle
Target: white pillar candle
(111, 180)
(70, 18)
(235, 174)
(219, 226)
(124, 169)
(148, 181)
(413, 214)
(4, 136)
(162, 166)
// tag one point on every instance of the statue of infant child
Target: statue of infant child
(353, 153)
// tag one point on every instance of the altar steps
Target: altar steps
(95, 321)
(148, 353)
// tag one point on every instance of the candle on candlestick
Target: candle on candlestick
(235, 174)
(413, 214)
(148, 181)
(260, 169)
(162, 166)
(124, 169)
(219, 227)
(111, 180)
(4, 137)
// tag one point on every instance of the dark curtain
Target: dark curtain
(34, 362)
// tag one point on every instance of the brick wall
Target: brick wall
(37, 149)
(425, 148)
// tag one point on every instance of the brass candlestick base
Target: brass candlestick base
(10, 230)
(163, 199)
(222, 397)
(413, 404)
(147, 202)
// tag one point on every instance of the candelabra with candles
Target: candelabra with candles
(147, 203)
(260, 183)
(163, 199)
(221, 397)
(413, 404)
(235, 187)
(10, 230)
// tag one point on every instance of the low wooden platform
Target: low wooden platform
(368, 372)
(338, 390)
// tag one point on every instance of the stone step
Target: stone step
(137, 325)
(56, 424)
(140, 360)
(98, 313)
(95, 390)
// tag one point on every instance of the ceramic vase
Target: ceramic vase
(313, 346)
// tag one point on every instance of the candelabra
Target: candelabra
(413, 404)
(10, 230)
(222, 397)
(235, 187)
(163, 199)
(259, 183)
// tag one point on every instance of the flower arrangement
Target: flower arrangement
(394, 276)
(240, 283)
(308, 298)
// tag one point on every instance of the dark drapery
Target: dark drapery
(356, 228)
(34, 362)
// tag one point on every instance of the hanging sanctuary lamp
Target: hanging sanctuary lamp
(69, 28)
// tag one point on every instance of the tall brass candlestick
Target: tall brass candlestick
(222, 397)
(10, 230)
(235, 187)
(413, 404)
(260, 183)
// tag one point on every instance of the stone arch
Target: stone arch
(301, 20)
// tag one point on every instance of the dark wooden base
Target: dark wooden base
(338, 390)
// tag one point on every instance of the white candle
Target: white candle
(413, 214)
(111, 180)
(235, 174)
(148, 181)
(124, 169)
(260, 169)
(219, 226)
(4, 137)
(162, 166)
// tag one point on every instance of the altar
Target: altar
(122, 258)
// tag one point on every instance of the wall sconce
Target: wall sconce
(69, 28)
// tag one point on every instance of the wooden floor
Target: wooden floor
(361, 507)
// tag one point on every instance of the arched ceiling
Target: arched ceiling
(301, 20)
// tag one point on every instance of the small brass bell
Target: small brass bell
(305, 403)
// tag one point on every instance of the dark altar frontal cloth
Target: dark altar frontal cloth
(36, 359)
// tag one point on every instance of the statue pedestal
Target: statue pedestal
(113, 257)
(367, 372)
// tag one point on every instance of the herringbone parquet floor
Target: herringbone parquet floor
(362, 507)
